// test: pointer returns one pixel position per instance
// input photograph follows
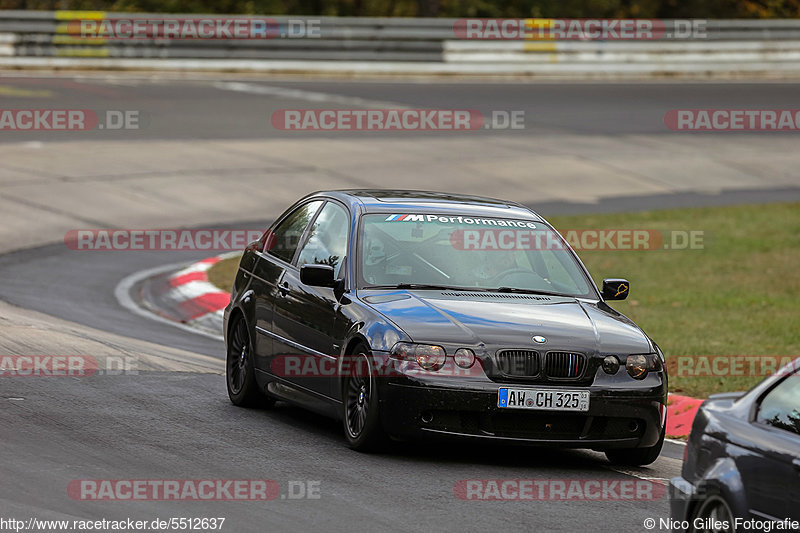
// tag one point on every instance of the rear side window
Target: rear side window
(327, 238)
(781, 406)
(285, 238)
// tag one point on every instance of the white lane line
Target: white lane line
(675, 466)
(309, 96)
(639, 475)
(122, 292)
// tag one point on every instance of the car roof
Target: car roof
(401, 201)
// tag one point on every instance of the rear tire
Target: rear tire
(361, 417)
(637, 456)
(240, 374)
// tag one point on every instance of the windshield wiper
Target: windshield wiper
(424, 286)
(528, 291)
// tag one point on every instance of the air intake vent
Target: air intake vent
(518, 362)
(564, 364)
(495, 295)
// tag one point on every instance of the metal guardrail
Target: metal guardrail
(45, 34)
(397, 45)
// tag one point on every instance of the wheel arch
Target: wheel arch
(244, 306)
(722, 479)
(356, 339)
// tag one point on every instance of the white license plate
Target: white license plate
(543, 399)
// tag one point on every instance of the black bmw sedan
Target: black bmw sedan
(412, 314)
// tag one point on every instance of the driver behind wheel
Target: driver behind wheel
(374, 260)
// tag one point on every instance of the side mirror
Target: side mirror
(317, 275)
(615, 289)
(263, 244)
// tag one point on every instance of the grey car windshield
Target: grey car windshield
(467, 252)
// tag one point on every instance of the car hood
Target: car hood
(508, 320)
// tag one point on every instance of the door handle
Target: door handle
(284, 288)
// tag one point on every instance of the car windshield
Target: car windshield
(467, 252)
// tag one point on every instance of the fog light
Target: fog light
(464, 357)
(611, 364)
(637, 366)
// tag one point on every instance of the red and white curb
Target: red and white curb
(178, 295)
(681, 411)
(194, 299)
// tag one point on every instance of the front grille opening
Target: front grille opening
(565, 365)
(523, 363)
(561, 426)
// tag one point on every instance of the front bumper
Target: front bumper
(615, 419)
(681, 493)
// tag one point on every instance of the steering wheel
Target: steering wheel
(527, 275)
(509, 272)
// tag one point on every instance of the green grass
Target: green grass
(739, 295)
(221, 274)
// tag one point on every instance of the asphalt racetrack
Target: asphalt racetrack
(207, 155)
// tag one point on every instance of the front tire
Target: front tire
(713, 511)
(361, 416)
(240, 374)
(637, 456)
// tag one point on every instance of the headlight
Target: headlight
(611, 364)
(428, 356)
(464, 357)
(639, 365)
